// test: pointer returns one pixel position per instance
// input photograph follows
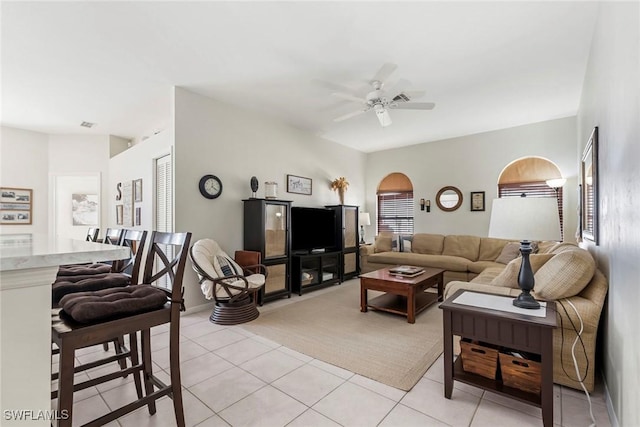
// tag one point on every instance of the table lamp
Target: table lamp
(525, 219)
(363, 219)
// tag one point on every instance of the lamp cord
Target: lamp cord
(575, 362)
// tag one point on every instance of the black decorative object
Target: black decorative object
(525, 279)
(254, 186)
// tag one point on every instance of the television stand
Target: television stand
(315, 270)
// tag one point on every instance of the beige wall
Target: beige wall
(474, 163)
(610, 100)
(236, 144)
(24, 158)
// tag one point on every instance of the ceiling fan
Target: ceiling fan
(382, 101)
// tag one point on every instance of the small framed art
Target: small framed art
(477, 201)
(299, 185)
(119, 212)
(16, 205)
(137, 190)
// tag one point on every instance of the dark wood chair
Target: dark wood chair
(92, 234)
(123, 273)
(90, 318)
(232, 283)
(113, 236)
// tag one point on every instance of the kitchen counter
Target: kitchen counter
(28, 267)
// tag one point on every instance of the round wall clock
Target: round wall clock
(210, 186)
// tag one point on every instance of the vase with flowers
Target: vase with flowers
(340, 185)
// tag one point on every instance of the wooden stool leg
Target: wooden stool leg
(133, 346)
(118, 344)
(147, 367)
(174, 362)
(65, 385)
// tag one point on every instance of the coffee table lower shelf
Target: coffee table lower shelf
(495, 386)
(397, 304)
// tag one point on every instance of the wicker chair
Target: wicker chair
(233, 287)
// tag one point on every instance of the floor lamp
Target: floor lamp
(525, 219)
(363, 219)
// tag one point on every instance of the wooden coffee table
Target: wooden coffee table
(403, 295)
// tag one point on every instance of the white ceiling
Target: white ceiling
(486, 65)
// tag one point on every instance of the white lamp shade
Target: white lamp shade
(525, 218)
(363, 218)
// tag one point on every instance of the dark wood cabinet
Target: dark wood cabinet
(348, 240)
(267, 230)
(315, 270)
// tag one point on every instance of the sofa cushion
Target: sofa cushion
(479, 266)
(487, 275)
(462, 246)
(424, 243)
(509, 276)
(565, 275)
(491, 248)
(509, 253)
(445, 262)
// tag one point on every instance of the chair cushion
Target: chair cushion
(90, 307)
(75, 270)
(110, 280)
(255, 281)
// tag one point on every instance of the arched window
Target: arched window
(529, 176)
(395, 204)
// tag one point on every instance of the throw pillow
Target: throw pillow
(383, 242)
(225, 267)
(510, 252)
(566, 276)
(509, 276)
(405, 243)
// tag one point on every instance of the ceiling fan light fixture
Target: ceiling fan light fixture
(383, 115)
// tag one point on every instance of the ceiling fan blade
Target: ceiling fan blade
(349, 97)
(413, 106)
(349, 115)
(384, 72)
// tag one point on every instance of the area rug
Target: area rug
(377, 345)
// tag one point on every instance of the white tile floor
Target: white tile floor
(232, 377)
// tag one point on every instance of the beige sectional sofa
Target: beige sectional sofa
(563, 273)
(462, 257)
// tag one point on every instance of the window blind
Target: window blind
(395, 212)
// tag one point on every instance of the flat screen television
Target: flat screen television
(312, 229)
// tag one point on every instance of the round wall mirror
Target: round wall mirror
(449, 199)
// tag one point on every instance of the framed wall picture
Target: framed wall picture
(589, 189)
(119, 212)
(137, 190)
(477, 201)
(299, 185)
(127, 203)
(84, 209)
(16, 206)
(138, 216)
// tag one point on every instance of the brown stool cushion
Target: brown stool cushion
(90, 307)
(79, 277)
(100, 281)
(75, 270)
